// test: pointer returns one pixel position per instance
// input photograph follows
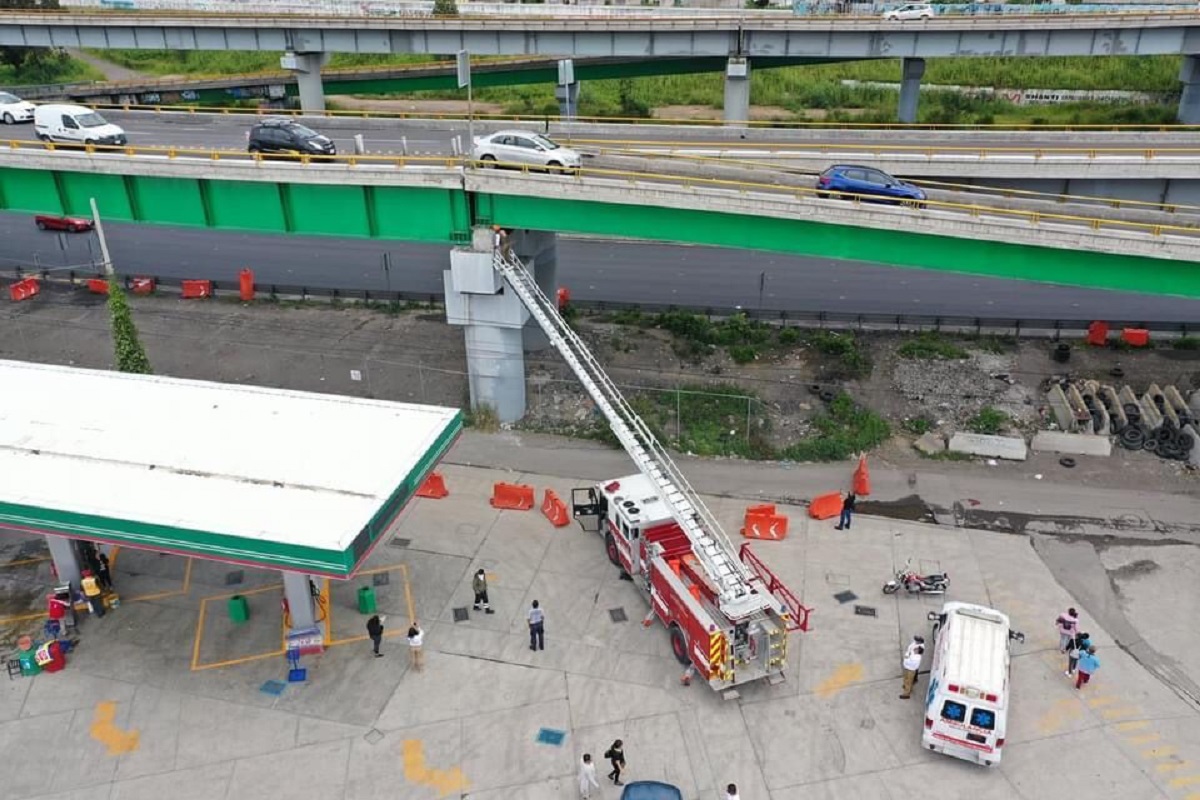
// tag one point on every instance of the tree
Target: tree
(444, 8)
(33, 64)
(130, 355)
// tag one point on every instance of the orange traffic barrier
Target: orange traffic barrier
(1097, 334)
(1136, 337)
(23, 290)
(434, 487)
(825, 506)
(97, 285)
(246, 285)
(763, 523)
(862, 478)
(142, 285)
(195, 290)
(516, 496)
(555, 509)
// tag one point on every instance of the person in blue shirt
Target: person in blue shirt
(1088, 664)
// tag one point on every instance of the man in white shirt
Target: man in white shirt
(912, 662)
(731, 792)
(537, 627)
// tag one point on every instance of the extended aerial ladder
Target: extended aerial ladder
(741, 593)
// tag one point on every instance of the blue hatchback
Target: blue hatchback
(651, 790)
(847, 179)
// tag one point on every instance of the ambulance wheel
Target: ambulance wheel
(679, 645)
(610, 547)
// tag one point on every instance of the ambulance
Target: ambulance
(966, 707)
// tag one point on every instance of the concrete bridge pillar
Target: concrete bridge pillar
(568, 100)
(307, 67)
(65, 558)
(737, 91)
(538, 251)
(494, 320)
(910, 88)
(1189, 101)
(298, 592)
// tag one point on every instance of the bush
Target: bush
(989, 420)
(789, 336)
(930, 346)
(743, 353)
(130, 355)
(1187, 343)
(918, 425)
(851, 361)
(847, 428)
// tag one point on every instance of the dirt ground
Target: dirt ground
(414, 356)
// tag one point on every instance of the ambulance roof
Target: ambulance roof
(646, 509)
(977, 651)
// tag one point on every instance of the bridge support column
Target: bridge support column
(494, 320)
(910, 88)
(737, 91)
(307, 67)
(538, 250)
(568, 100)
(1189, 101)
(65, 558)
(298, 592)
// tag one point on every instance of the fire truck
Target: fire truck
(727, 614)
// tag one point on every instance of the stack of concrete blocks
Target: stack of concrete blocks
(1152, 420)
(1112, 404)
(1193, 406)
(1098, 419)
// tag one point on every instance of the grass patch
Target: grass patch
(46, 68)
(706, 420)
(993, 343)
(849, 358)
(696, 336)
(1186, 343)
(845, 429)
(947, 455)
(236, 62)
(926, 346)
(989, 421)
(917, 425)
(482, 418)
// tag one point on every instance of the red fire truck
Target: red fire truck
(728, 615)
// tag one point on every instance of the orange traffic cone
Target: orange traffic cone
(434, 486)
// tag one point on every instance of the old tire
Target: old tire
(679, 645)
(827, 395)
(1132, 437)
(1150, 444)
(1185, 442)
(1067, 462)
(610, 547)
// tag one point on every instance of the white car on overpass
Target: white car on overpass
(910, 11)
(524, 148)
(13, 109)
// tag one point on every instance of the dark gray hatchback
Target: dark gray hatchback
(288, 136)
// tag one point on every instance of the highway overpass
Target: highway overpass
(437, 201)
(739, 39)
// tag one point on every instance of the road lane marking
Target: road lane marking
(1144, 739)
(1060, 712)
(1186, 780)
(1160, 752)
(1172, 766)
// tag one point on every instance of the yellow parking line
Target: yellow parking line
(197, 666)
(1144, 738)
(21, 618)
(25, 561)
(1172, 766)
(1126, 711)
(243, 660)
(1132, 725)
(412, 609)
(1186, 780)
(1108, 700)
(183, 590)
(1159, 752)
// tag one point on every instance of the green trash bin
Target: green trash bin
(239, 609)
(366, 600)
(29, 665)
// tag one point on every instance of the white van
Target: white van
(966, 708)
(55, 122)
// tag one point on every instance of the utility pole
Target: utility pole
(107, 262)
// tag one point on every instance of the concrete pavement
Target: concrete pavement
(467, 725)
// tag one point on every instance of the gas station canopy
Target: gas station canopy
(265, 477)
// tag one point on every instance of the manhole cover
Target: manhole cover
(551, 736)
(381, 579)
(273, 688)
(398, 542)
(234, 577)
(864, 611)
(845, 597)
(461, 614)
(373, 736)
(617, 615)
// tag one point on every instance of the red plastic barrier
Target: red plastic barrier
(433, 487)
(246, 285)
(142, 285)
(1097, 334)
(196, 290)
(769, 527)
(825, 506)
(23, 290)
(97, 285)
(1136, 337)
(516, 496)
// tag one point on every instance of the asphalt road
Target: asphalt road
(434, 138)
(594, 270)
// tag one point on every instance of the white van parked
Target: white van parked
(55, 122)
(966, 708)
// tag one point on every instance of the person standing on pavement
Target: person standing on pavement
(375, 631)
(912, 662)
(479, 585)
(1077, 646)
(103, 572)
(93, 592)
(731, 792)
(1067, 625)
(847, 512)
(537, 627)
(587, 777)
(416, 639)
(1088, 664)
(616, 757)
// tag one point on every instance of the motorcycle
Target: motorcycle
(914, 583)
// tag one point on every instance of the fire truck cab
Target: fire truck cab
(645, 542)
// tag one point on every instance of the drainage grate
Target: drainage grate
(398, 542)
(373, 736)
(617, 615)
(845, 597)
(381, 579)
(864, 611)
(551, 736)
(461, 614)
(273, 688)
(234, 577)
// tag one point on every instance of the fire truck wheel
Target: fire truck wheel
(679, 645)
(610, 547)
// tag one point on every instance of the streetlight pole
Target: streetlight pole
(108, 265)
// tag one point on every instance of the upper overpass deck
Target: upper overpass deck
(752, 35)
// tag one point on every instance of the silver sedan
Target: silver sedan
(524, 148)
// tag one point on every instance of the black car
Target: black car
(288, 136)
